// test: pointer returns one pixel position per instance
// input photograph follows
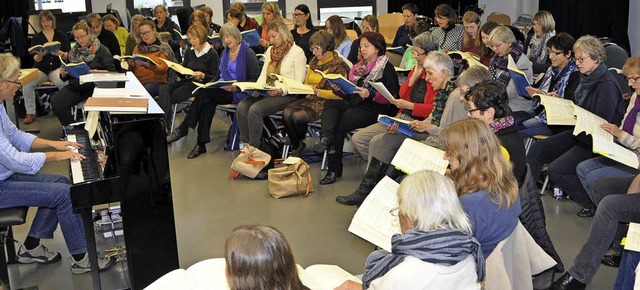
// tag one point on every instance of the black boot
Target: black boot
(323, 145)
(375, 172)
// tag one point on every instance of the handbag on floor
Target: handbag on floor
(291, 179)
(249, 162)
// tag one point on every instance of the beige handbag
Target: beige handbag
(292, 179)
(249, 163)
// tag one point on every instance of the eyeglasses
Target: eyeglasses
(464, 93)
(298, 14)
(556, 53)
(494, 46)
(632, 79)
(13, 82)
(581, 59)
(394, 211)
(145, 33)
(416, 53)
(471, 110)
(441, 18)
(80, 36)
(316, 48)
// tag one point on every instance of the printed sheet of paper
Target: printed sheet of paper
(590, 123)
(633, 238)
(91, 125)
(559, 111)
(414, 156)
(615, 152)
(324, 277)
(382, 90)
(373, 221)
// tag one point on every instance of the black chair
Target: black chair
(183, 15)
(9, 217)
(616, 55)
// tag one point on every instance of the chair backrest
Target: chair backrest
(389, 24)
(499, 17)
(353, 35)
(183, 15)
(616, 55)
(394, 58)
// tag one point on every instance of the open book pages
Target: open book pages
(180, 33)
(559, 111)
(252, 86)
(519, 78)
(382, 90)
(373, 221)
(138, 57)
(471, 58)
(615, 152)
(211, 85)
(632, 241)
(178, 67)
(414, 156)
(294, 87)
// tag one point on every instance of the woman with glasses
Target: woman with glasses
(409, 15)
(598, 92)
(504, 44)
(369, 23)
(544, 27)
(335, 26)
(151, 75)
(303, 30)
(431, 218)
(560, 80)
(448, 34)
(48, 64)
(88, 50)
(165, 24)
(298, 114)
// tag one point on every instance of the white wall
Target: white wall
(509, 7)
(100, 6)
(634, 26)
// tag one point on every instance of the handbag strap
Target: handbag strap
(308, 180)
(234, 174)
(252, 161)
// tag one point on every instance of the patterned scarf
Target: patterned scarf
(87, 54)
(587, 83)
(561, 77)
(538, 50)
(440, 101)
(158, 45)
(442, 247)
(277, 54)
(499, 124)
(498, 65)
(334, 66)
(371, 71)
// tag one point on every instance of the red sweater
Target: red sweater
(419, 110)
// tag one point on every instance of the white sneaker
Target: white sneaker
(82, 266)
(40, 255)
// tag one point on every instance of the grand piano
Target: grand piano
(136, 174)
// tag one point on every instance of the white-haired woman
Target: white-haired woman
(436, 249)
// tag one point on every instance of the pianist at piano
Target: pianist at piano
(21, 184)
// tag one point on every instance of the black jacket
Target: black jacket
(510, 139)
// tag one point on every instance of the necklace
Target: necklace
(236, 52)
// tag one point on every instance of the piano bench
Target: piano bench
(9, 217)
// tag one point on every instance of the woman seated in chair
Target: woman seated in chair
(303, 29)
(48, 64)
(203, 60)
(597, 92)
(431, 218)
(96, 56)
(369, 23)
(486, 52)
(335, 26)
(151, 75)
(360, 108)
(247, 22)
(409, 15)
(259, 257)
(112, 24)
(270, 13)
(544, 27)
(21, 183)
(164, 23)
(504, 44)
(238, 63)
(298, 114)
(134, 37)
(448, 33)
(284, 58)
(471, 40)
(484, 181)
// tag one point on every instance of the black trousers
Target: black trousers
(202, 111)
(66, 98)
(172, 94)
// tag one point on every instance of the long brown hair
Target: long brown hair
(258, 257)
(471, 17)
(482, 165)
(337, 29)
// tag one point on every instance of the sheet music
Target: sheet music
(382, 90)
(615, 152)
(373, 221)
(119, 92)
(559, 111)
(590, 123)
(632, 242)
(414, 156)
(91, 125)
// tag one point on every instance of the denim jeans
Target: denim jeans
(627, 272)
(50, 193)
(153, 88)
(530, 125)
(594, 169)
(29, 90)
(617, 207)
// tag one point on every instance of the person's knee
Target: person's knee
(609, 206)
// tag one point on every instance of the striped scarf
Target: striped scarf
(498, 64)
(442, 247)
(440, 101)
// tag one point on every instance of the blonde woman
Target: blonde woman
(165, 24)
(112, 24)
(544, 27)
(133, 38)
(270, 13)
(484, 181)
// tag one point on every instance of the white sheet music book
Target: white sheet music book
(119, 92)
(103, 77)
(414, 156)
(632, 241)
(373, 221)
(559, 111)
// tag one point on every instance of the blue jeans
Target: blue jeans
(50, 194)
(530, 125)
(594, 169)
(627, 272)
(153, 88)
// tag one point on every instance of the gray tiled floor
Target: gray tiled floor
(209, 204)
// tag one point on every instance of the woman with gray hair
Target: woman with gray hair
(436, 249)
(379, 142)
(504, 44)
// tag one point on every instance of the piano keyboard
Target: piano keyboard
(87, 169)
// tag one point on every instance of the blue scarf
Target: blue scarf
(442, 247)
(241, 69)
(562, 77)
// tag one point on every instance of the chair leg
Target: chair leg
(527, 145)
(173, 115)
(11, 247)
(4, 270)
(324, 165)
(544, 185)
(285, 151)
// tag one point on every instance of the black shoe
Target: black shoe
(330, 177)
(196, 151)
(375, 172)
(586, 212)
(611, 260)
(262, 175)
(322, 146)
(176, 135)
(568, 282)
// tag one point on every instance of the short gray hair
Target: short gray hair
(429, 200)
(439, 61)
(10, 65)
(592, 46)
(231, 30)
(473, 75)
(426, 42)
(503, 34)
